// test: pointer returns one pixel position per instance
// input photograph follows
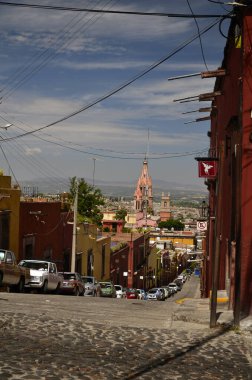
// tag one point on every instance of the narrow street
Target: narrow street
(64, 337)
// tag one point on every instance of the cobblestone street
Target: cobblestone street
(55, 337)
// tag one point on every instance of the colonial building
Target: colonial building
(143, 198)
(92, 252)
(44, 232)
(165, 209)
(228, 262)
(9, 215)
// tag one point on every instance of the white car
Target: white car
(142, 294)
(173, 287)
(120, 292)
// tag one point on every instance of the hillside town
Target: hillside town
(147, 282)
(132, 251)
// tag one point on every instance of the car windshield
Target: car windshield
(103, 285)
(2, 255)
(69, 276)
(152, 291)
(88, 280)
(34, 265)
(118, 287)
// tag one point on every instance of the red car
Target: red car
(132, 293)
(72, 284)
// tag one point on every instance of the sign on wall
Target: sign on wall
(201, 225)
(207, 169)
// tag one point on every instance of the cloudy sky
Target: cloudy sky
(56, 63)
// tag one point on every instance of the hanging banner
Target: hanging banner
(207, 169)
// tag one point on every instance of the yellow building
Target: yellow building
(131, 219)
(92, 252)
(9, 215)
(109, 215)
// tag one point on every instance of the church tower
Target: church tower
(143, 199)
(165, 209)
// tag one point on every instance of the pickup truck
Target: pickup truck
(92, 286)
(11, 274)
(44, 276)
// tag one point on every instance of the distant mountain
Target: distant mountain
(111, 188)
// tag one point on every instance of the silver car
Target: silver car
(92, 286)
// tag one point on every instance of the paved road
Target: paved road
(62, 337)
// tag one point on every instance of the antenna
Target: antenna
(148, 146)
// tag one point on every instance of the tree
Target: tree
(120, 214)
(89, 200)
(172, 223)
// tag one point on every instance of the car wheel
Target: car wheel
(57, 290)
(45, 287)
(1, 279)
(20, 286)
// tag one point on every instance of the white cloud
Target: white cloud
(32, 151)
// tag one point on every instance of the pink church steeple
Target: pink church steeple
(143, 198)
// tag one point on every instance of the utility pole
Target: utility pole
(73, 259)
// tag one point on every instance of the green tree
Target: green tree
(172, 223)
(120, 214)
(89, 200)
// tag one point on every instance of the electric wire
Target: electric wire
(8, 163)
(51, 55)
(122, 86)
(30, 162)
(141, 154)
(200, 40)
(75, 9)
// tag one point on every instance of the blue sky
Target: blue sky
(54, 63)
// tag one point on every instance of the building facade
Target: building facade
(229, 237)
(9, 215)
(44, 232)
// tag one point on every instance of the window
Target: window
(4, 229)
(90, 263)
(9, 259)
(28, 247)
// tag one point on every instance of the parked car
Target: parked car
(92, 286)
(166, 293)
(120, 291)
(179, 283)
(72, 284)
(44, 275)
(173, 287)
(168, 290)
(182, 277)
(108, 289)
(156, 294)
(12, 275)
(142, 294)
(131, 293)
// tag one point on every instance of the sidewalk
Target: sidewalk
(197, 310)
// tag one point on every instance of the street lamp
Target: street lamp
(204, 209)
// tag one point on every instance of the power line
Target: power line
(75, 9)
(60, 42)
(200, 40)
(122, 86)
(92, 149)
